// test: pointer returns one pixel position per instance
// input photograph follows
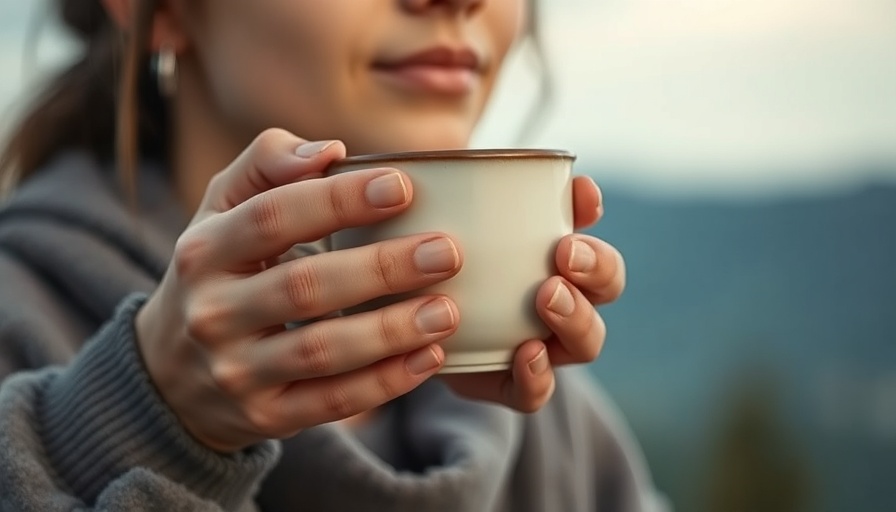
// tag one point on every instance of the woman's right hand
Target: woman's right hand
(212, 335)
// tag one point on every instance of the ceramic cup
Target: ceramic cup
(507, 209)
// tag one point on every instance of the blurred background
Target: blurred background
(747, 153)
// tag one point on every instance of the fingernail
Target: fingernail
(581, 257)
(539, 364)
(562, 301)
(436, 256)
(435, 317)
(310, 149)
(423, 361)
(387, 191)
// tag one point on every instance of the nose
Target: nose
(461, 6)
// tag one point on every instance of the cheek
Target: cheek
(269, 79)
(505, 23)
(508, 22)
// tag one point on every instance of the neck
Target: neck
(203, 143)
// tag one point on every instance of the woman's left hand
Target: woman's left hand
(592, 272)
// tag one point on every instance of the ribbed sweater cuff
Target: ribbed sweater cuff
(102, 417)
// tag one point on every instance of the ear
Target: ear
(167, 26)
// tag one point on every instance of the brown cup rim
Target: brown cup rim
(455, 154)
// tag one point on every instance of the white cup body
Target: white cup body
(508, 210)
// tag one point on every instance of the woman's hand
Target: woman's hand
(592, 272)
(213, 337)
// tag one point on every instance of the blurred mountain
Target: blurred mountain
(794, 295)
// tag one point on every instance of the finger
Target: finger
(592, 265)
(341, 345)
(587, 202)
(313, 402)
(317, 285)
(268, 224)
(526, 388)
(579, 331)
(275, 158)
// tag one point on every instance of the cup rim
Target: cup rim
(456, 154)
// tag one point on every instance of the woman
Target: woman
(146, 362)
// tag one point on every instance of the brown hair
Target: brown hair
(108, 104)
(104, 103)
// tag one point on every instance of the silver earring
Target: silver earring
(166, 71)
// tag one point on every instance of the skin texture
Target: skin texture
(212, 335)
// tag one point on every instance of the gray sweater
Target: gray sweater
(83, 428)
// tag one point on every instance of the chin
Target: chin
(441, 135)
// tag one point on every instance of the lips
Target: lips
(440, 70)
(439, 56)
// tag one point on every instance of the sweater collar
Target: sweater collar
(69, 225)
(75, 191)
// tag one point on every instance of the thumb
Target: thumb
(274, 158)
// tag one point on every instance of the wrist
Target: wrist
(171, 362)
(164, 361)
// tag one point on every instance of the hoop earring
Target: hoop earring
(165, 67)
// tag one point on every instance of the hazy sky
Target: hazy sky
(716, 96)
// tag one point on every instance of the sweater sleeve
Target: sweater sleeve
(96, 435)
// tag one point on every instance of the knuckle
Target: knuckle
(620, 272)
(303, 288)
(337, 403)
(268, 140)
(547, 393)
(203, 319)
(387, 387)
(228, 376)
(537, 399)
(599, 333)
(217, 184)
(315, 355)
(190, 250)
(390, 331)
(510, 396)
(387, 269)
(528, 406)
(340, 204)
(266, 217)
(590, 352)
(264, 421)
(604, 277)
(610, 280)
(592, 337)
